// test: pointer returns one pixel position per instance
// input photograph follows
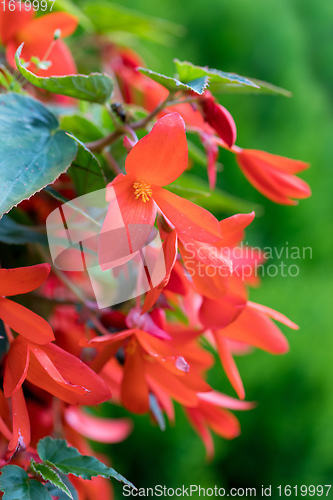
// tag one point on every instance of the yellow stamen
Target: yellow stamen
(143, 189)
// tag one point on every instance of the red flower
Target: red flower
(273, 176)
(19, 318)
(213, 412)
(155, 161)
(218, 118)
(19, 25)
(253, 327)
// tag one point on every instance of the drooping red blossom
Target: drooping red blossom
(213, 413)
(219, 118)
(19, 25)
(273, 175)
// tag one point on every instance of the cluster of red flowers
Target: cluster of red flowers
(148, 353)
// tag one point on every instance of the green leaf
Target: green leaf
(8, 80)
(60, 495)
(16, 485)
(196, 190)
(68, 460)
(114, 18)
(13, 233)
(50, 475)
(262, 89)
(96, 87)
(197, 85)
(33, 151)
(222, 82)
(86, 171)
(85, 130)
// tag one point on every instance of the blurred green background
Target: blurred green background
(288, 438)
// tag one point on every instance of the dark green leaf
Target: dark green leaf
(33, 152)
(109, 18)
(68, 460)
(197, 85)
(13, 233)
(217, 201)
(96, 87)
(16, 485)
(222, 82)
(50, 475)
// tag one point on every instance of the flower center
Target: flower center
(143, 189)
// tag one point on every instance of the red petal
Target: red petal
(172, 384)
(273, 314)
(134, 388)
(43, 28)
(127, 225)
(254, 328)
(25, 322)
(194, 221)
(23, 279)
(103, 430)
(21, 423)
(207, 254)
(16, 368)
(73, 371)
(218, 399)
(219, 119)
(170, 246)
(232, 228)
(12, 21)
(161, 156)
(198, 422)
(221, 421)
(229, 365)
(279, 162)
(276, 183)
(60, 57)
(220, 313)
